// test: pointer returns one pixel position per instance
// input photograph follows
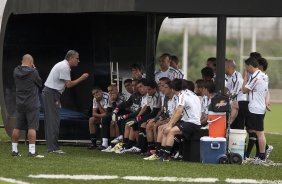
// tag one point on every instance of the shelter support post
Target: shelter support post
(150, 46)
(220, 53)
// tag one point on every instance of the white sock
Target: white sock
(31, 148)
(15, 147)
(120, 137)
(105, 142)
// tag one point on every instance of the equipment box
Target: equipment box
(212, 150)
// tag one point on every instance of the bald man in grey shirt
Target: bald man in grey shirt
(58, 79)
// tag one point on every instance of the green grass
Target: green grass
(79, 160)
(273, 119)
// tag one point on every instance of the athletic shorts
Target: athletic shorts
(242, 118)
(256, 121)
(188, 129)
(28, 120)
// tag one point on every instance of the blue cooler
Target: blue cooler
(212, 149)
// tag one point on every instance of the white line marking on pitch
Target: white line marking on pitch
(229, 180)
(171, 179)
(74, 177)
(10, 180)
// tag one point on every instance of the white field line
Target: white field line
(74, 177)
(148, 178)
(10, 180)
(170, 179)
(229, 180)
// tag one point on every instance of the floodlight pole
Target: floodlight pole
(220, 53)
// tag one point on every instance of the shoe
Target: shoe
(152, 157)
(118, 148)
(268, 151)
(261, 162)
(108, 149)
(166, 158)
(16, 154)
(101, 147)
(57, 152)
(248, 160)
(35, 155)
(153, 152)
(117, 140)
(91, 147)
(132, 150)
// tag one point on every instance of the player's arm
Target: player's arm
(72, 83)
(176, 115)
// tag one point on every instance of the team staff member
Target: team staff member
(27, 82)
(59, 78)
(257, 88)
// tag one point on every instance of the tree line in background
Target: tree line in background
(202, 47)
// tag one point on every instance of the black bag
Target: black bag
(220, 103)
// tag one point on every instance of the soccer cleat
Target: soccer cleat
(118, 148)
(166, 158)
(57, 152)
(16, 154)
(268, 151)
(132, 150)
(261, 162)
(152, 157)
(101, 148)
(35, 155)
(91, 147)
(108, 149)
(117, 140)
(248, 160)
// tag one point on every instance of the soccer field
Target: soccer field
(114, 168)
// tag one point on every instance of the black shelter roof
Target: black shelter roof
(183, 8)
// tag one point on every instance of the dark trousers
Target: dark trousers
(51, 100)
(241, 120)
(106, 121)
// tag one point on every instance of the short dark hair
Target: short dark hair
(209, 84)
(252, 61)
(256, 55)
(190, 85)
(137, 66)
(200, 83)
(169, 83)
(263, 62)
(213, 60)
(96, 88)
(178, 84)
(152, 84)
(143, 81)
(165, 55)
(207, 72)
(165, 79)
(174, 58)
(127, 81)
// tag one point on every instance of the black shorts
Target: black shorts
(255, 121)
(28, 120)
(188, 129)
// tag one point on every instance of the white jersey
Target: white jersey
(258, 89)
(170, 73)
(154, 101)
(169, 105)
(104, 102)
(234, 86)
(192, 107)
(205, 105)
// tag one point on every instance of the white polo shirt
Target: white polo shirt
(170, 73)
(205, 105)
(234, 85)
(192, 107)
(59, 73)
(257, 85)
(104, 102)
